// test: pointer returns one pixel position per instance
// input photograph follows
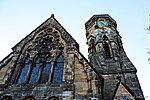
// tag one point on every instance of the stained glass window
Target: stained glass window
(34, 72)
(46, 71)
(24, 71)
(58, 70)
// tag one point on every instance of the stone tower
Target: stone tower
(48, 65)
(107, 56)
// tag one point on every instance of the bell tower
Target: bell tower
(107, 56)
(104, 44)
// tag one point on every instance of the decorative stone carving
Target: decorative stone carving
(82, 79)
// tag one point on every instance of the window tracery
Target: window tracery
(44, 49)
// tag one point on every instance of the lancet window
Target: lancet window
(106, 47)
(46, 66)
(34, 72)
(24, 71)
(58, 70)
(56, 73)
(46, 70)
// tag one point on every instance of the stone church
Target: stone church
(48, 65)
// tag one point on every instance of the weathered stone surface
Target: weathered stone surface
(106, 76)
(108, 57)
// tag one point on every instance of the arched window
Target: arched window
(106, 47)
(29, 98)
(34, 72)
(7, 98)
(53, 98)
(107, 50)
(58, 70)
(24, 71)
(46, 71)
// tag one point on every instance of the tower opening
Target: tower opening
(107, 50)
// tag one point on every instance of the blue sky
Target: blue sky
(18, 18)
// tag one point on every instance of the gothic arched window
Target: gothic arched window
(106, 47)
(24, 71)
(107, 50)
(46, 70)
(34, 72)
(58, 70)
(7, 98)
(29, 98)
(53, 98)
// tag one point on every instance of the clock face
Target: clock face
(102, 23)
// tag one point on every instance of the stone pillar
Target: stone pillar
(29, 71)
(94, 84)
(19, 68)
(40, 72)
(51, 72)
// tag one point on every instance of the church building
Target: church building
(48, 65)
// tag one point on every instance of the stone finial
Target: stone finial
(52, 15)
(119, 78)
